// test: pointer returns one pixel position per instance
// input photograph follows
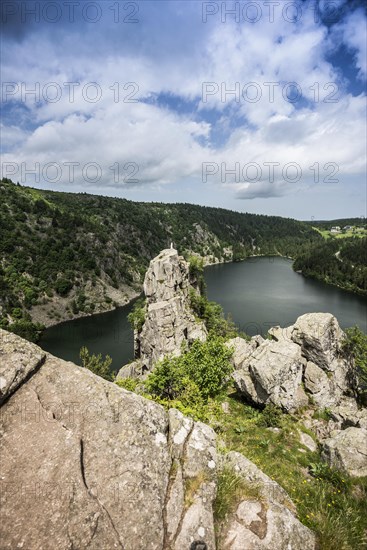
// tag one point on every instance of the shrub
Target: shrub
(355, 345)
(129, 384)
(208, 365)
(63, 287)
(26, 329)
(271, 417)
(212, 314)
(95, 363)
(137, 316)
(194, 376)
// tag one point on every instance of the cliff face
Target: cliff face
(88, 465)
(169, 320)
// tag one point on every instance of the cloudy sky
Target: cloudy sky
(255, 106)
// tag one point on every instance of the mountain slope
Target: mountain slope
(64, 255)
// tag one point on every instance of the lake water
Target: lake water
(258, 293)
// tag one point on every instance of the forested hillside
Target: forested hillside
(63, 254)
(342, 262)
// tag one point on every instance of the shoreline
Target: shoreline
(206, 264)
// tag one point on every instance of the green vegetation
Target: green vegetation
(129, 384)
(59, 246)
(96, 364)
(137, 316)
(331, 504)
(189, 381)
(355, 346)
(339, 262)
(24, 328)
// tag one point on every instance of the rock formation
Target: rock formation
(306, 356)
(304, 364)
(265, 521)
(347, 451)
(169, 320)
(86, 464)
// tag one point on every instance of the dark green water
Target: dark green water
(258, 293)
(107, 333)
(264, 292)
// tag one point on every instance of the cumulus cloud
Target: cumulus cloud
(353, 32)
(325, 127)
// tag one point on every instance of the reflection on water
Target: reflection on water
(258, 293)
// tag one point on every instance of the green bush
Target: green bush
(193, 377)
(129, 384)
(95, 363)
(137, 316)
(212, 314)
(355, 346)
(63, 287)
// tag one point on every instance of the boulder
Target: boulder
(264, 521)
(320, 338)
(18, 361)
(347, 414)
(279, 333)
(347, 451)
(242, 349)
(273, 374)
(308, 442)
(86, 464)
(320, 386)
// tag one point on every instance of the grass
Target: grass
(344, 235)
(193, 486)
(332, 505)
(231, 490)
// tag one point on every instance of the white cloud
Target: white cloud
(168, 147)
(354, 35)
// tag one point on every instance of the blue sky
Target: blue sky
(253, 106)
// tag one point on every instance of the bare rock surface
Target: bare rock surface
(302, 361)
(264, 521)
(347, 451)
(243, 349)
(86, 464)
(18, 360)
(169, 320)
(273, 374)
(320, 337)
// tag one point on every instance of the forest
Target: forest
(57, 245)
(342, 262)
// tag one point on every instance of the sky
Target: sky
(256, 106)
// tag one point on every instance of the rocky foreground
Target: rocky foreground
(86, 464)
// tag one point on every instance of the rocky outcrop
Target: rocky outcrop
(347, 451)
(273, 374)
(320, 338)
(169, 320)
(88, 465)
(264, 520)
(302, 361)
(304, 364)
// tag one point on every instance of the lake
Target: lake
(258, 293)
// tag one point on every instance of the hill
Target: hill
(64, 255)
(342, 262)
